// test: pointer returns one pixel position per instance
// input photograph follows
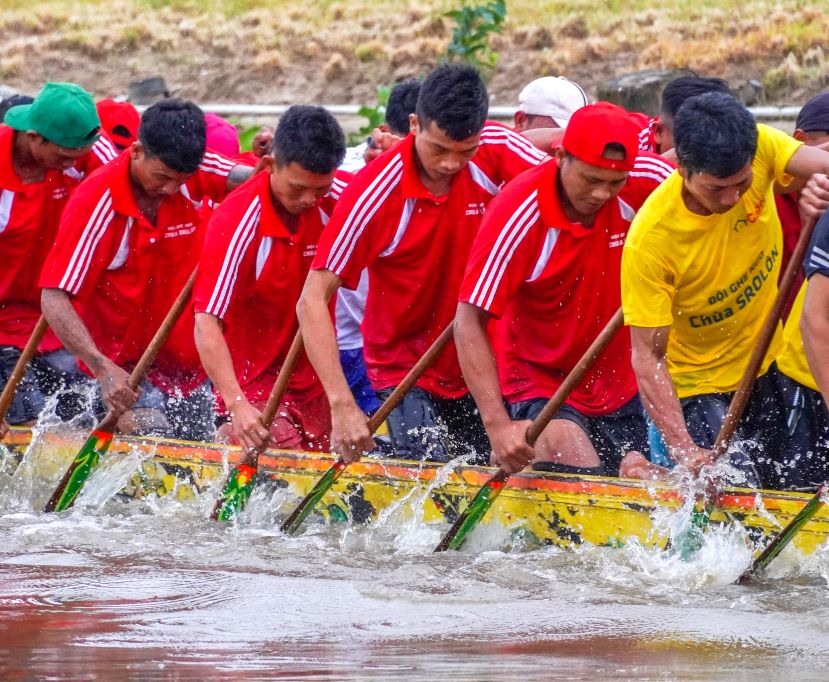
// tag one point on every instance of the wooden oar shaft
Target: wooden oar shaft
(490, 490)
(764, 339)
(425, 361)
(306, 506)
(19, 370)
(575, 376)
(282, 381)
(107, 425)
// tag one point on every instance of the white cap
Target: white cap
(552, 96)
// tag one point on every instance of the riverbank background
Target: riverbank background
(341, 51)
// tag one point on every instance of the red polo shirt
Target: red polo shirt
(251, 274)
(126, 272)
(554, 285)
(102, 152)
(29, 217)
(415, 246)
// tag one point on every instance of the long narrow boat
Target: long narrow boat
(537, 508)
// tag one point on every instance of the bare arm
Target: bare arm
(239, 174)
(215, 357)
(814, 325)
(477, 359)
(70, 329)
(349, 425)
(649, 358)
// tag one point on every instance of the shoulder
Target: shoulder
(216, 164)
(496, 138)
(817, 256)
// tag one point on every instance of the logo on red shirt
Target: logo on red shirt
(616, 240)
(310, 250)
(475, 208)
(179, 230)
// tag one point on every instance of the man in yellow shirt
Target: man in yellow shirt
(699, 277)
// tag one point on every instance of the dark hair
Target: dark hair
(714, 133)
(402, 102)
(173, 130)
(311, 137)
(454, 97)
(13, 101)
(685, 87)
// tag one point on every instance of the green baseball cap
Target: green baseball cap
(63, 113)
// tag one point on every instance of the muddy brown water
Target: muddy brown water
(153, 590)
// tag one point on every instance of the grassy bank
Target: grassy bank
(340, 50)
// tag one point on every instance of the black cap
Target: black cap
(814, 116)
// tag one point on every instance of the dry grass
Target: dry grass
(339, 50)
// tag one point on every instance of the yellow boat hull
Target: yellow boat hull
(560, 509)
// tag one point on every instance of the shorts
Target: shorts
(613, 435)
(50, 374)
(760, 428)
(804, 460)
(426, 427)
(190, 417)
(354, 368)
(300, 424)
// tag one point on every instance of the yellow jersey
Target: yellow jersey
(711, 279)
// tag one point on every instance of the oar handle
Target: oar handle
(426, 361)
(19, 370)
(575, 376)
(109, 421)
(764, 339)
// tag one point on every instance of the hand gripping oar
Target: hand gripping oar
(294, 521)
(690, 541)
(19, 370)
(475, 510)
(98, 442)
(787, 534)
(240, 483)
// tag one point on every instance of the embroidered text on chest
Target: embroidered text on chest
(179, 230)
(617, 239)
(475, 208)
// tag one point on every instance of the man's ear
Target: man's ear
(799, 135)
(520, 121)
(136, 151)
(267, 162)
(414, 124)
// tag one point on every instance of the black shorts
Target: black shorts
(804, 460)
(613, 435)
(426, 427)
(759, 429)
(48, 374)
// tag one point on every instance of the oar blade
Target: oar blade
(787, 534)
(73, 481)
(294, 521)
(474, 512)
(236, 493)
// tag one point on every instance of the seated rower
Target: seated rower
(546, 264)
(40, 144)
(258, 250)
(128, 241)
(699, 277)
(410, 217)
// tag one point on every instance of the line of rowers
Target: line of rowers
(527, 240)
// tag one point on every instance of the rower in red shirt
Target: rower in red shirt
(546, 263)
(410, 218)
(128, 240)
(257, 252)
(39, 146)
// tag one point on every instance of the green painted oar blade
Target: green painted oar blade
(473, 513)
(73, 481)
(787, 534)
(294, 521)
(236, 493)
(688, 543)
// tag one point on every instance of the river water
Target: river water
(151, 589)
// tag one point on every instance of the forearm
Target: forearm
(478, 364)
(215, 358)
(659, 397)
(239, 174)
(70, 329)
(320, 336)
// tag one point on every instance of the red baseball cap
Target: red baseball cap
(120, 120)
(593, 127)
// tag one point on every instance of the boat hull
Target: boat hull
(558, 509)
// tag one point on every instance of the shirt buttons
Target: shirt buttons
(152, 240)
